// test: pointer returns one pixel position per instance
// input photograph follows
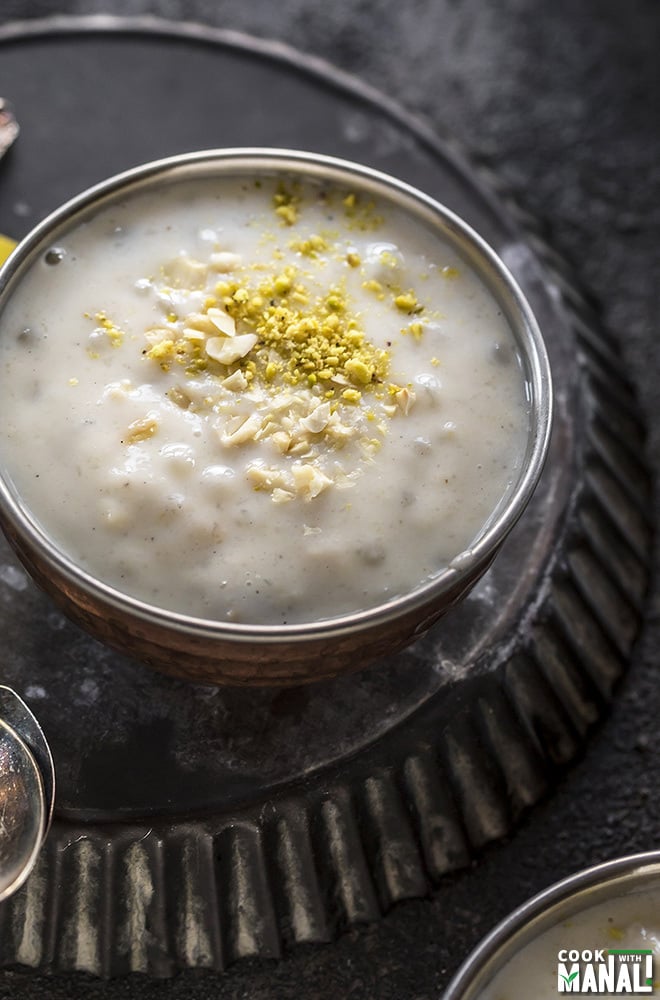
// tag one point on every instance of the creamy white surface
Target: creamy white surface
(173, 519)
(628, 922)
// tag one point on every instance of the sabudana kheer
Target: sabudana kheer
(259, 401)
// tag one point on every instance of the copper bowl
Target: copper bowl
(230, 653)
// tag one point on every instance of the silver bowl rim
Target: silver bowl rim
(455, 230)
(544, 910)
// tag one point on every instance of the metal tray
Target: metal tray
(196, 826)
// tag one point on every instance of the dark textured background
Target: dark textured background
(563, 100)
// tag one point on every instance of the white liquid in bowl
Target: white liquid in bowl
(625, 934)
(168, 421)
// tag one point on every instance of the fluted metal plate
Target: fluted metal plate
(198, 826)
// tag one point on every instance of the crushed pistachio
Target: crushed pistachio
(361, 213)
(163, 352)
(615, 933)
(286, 202)
(309, 340)
(371, 285)
(312, 247)
(114, 334)
(407, 302)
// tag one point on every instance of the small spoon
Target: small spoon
(19, 717)
(22, 811)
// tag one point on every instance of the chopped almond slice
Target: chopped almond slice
(225, 261)
(310, 481)
(157, 333)
(281, 496)
(226, 350)
(263, 478)
(223, 321)
(245, 431)
(195, 336)
(318, 419)
(200, 321)
(185, 272)
(303, 449)
(340, 433)
(404, 399)
(236, 382)
(118, 389)
(282, 441)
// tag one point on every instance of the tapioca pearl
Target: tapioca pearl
(428, 389)
(98, 342)
(172, 507)
(218, 475)
(135, 467)
(114, 513)
(422, 446)
(330, 554)
(384, 262)
(435, 332)
(181, 301)
(178, 458)
(141, 495)
(207, 535)
(221, 487)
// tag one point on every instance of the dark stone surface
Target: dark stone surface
(563, 101)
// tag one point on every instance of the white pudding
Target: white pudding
(259, 401)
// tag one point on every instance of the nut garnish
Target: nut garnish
(272, 354)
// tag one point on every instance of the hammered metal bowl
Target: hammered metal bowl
(231, 653)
